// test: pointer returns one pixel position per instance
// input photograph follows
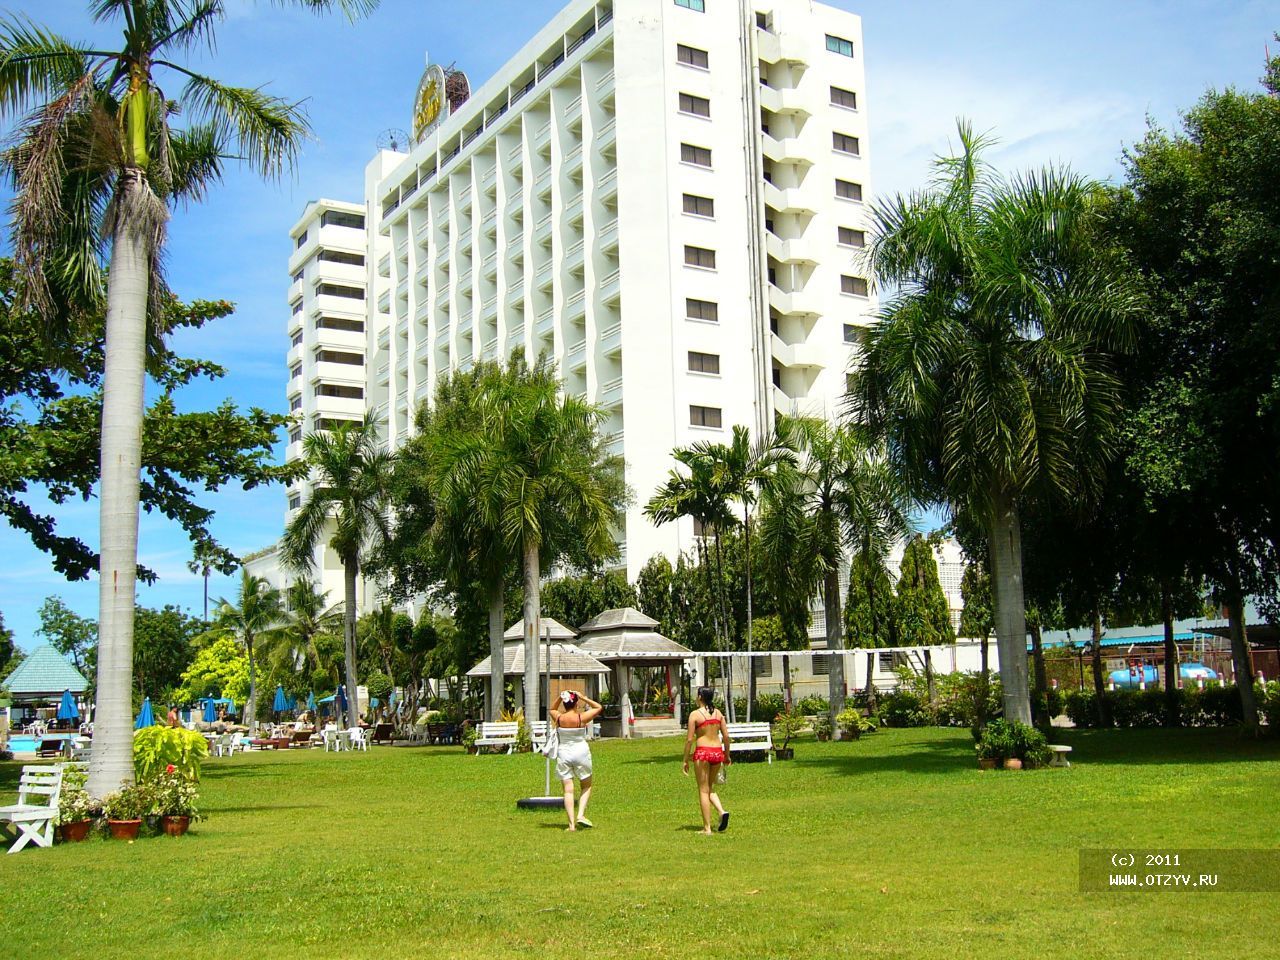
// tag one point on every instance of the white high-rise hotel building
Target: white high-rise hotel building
(664, 196)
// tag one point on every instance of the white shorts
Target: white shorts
(573, 760)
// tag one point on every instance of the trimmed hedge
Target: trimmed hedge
(1214, 706)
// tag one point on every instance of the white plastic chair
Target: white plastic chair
(358, 739)
(222, 745)
(331, 739)
(34, 821)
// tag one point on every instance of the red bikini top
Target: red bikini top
(703, 723)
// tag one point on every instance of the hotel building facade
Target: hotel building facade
(665, 197)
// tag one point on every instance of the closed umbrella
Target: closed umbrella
(341, 697)
(210, 711)
(146, 718)
(281, 702)
(311, 701)
(67, 709)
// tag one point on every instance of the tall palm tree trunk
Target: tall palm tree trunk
(835, 643)
(1099, 688)
(751, 665)
(251, 708)
(350, 569)
(724, 619)
(497, 669)
(532, 628)
(1241, 664)
(1010, 610)
(1172, 712)
(124, 375)
(1041, 712)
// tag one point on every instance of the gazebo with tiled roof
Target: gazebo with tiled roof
(627, 640)
(44, 675)
(564, 664)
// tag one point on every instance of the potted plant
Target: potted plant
(75, 807)
(1029, 747)
(469, 739)
(853, 724)
(173, 800)
(787, 724)
(125, 808)
(822, 726)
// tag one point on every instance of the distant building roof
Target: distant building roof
(44, 673)
(567, 660)
(558, 631)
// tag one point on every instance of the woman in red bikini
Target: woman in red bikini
(706, 727)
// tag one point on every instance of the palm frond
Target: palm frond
(266, 131)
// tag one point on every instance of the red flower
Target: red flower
(170, 768)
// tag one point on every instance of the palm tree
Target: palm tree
(95, 169)
(739, 469)
(303, 619)
(541, 479)
(255, 614)
(838, 497)
(346, 510)
(989, 374)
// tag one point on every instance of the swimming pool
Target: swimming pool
(25, 743)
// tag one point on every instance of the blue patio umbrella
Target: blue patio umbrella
(311, 701)
(146, 718)
(293, 703)
(341, 696)
(67, 709)
(281, 702)
(210, 711)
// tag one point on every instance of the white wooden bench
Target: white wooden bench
(750, 736)
(538, 733)
(498, 734)
(1059, 755)
(34, 821)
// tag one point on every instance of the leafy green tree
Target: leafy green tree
(220, 669)
(991, 372)
(1199, 216)
(541, 478)
(574, 600)
(7, 651)
(923, 617)
(870, 619)
(978, 620)
(163, 647)
(70, 634)
(346, 509)
(255, 613)
(96, 165)
(305, 622)
(655, 592)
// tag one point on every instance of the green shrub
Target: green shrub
(768, 707)
(155, 748)
(853, 724)
(130, 802)
(1003, 739)
(902, 708)
(822, 726)
(812, 706)
(1269, 704)
(786, 724)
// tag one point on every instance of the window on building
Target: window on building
(694, 105)
(700, 156)
(338, 323)
(845, 143)
(701, 310)
(821, 664)
(337, 256)
(302, 239)
(698, 6)
(337, 290)
(691, 56)
(884, 662)
(855, 286)
(704, 362)
(841, 97)
(848, 190)
(295, 371)
(295, 435)
(337, 218)
(850, 333)
(297, 277)
(297, 308)
(699, 257)
(338, 390)
(849, 237)
(704, 416)
(764, 21)
(333, 423)
(295, 502)
(297, 339)
(295, 404)
(699, 206)
(337, 356)
(762, 667)
(840, 45)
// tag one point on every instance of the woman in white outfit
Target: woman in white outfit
(572, 714)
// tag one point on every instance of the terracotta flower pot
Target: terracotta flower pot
(1012, 763)
(785, 753)
(987, 763)
(74, 832)
(124, 829)
(175, 826)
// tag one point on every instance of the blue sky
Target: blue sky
(1056, 82)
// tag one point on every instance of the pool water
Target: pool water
(25, 743)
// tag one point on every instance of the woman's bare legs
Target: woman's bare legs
(583, 798)
(702, 770)
(568, 804)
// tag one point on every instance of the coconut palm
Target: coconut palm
(255, 614)
(989, 373)
(542, 480)
(304, 618)
(95, 167)
(346, 510)
(738, 470)
(838, 497)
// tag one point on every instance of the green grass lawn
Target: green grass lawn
(894, 846)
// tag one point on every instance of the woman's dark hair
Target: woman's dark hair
(706, 695)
